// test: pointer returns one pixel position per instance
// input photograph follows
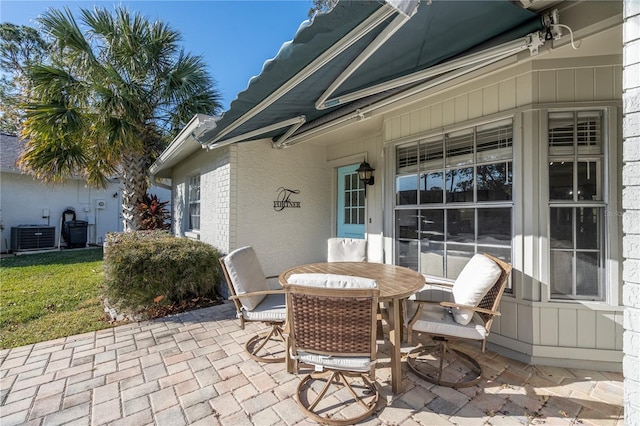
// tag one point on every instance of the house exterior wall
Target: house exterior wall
(23, 200)
(533, 327)
(239, 184)
(353, 151)
(215, 170)
(631, 206)
(300, 234)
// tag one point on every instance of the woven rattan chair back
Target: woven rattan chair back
(334, 323)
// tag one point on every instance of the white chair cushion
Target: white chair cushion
(346, 250)
(473, 283)
(246, 275)
(436, 319)
(332, 281)
(348, 363)
(272, 308)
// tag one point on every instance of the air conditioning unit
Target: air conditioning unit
(32, 237)
(101, 204)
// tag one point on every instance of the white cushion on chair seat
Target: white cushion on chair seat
(246, 275)
(436, 319)
(332, 281)
(473, 283)
(272, 308)
(348, 363)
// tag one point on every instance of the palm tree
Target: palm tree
(109, 98)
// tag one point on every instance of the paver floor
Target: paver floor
(191, 368)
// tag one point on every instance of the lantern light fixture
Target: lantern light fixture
(365, 173)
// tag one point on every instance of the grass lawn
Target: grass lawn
(50, 295)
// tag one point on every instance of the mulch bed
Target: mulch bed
(158, 310)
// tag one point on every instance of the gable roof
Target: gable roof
(10, 149)
(333, 61)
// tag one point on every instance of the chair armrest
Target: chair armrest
(256, 293)
(470, 307)
(439, 284)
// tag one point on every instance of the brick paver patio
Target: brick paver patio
(191, 368)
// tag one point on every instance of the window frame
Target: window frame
(191, 202)
(440, 163)
(604, 180)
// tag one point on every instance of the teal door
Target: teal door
(351, 217)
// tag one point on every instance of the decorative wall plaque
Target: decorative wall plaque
(283, 199)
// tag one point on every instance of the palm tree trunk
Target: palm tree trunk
(134, 180)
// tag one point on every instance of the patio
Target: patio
(191, 368)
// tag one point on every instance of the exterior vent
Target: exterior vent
(101, 204)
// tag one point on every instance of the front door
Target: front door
(350, 203)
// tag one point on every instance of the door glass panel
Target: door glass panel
(460, 185)
(561, 180)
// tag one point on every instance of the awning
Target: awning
(362, 51)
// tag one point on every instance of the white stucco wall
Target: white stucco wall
(22, 200)
(293, 236)
(631, 218)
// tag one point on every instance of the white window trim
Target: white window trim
(516, 222)
(189, 231)
(612, 274)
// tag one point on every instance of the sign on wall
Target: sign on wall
(283, 199)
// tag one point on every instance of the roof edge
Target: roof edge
(185, 143)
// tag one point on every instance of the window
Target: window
(453, 198)
(194, 202)
(353, 199)
(576, 205)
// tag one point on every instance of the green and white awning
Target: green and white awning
(363, 51)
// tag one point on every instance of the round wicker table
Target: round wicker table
(394, 282)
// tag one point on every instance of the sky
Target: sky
(235, 37)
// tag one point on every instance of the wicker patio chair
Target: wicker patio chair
(256, 301)
(332, 321)
(346, 250)
(476, 297)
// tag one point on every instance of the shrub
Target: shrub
(153, 213)
(144, 266)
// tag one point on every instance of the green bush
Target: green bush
(144, 267)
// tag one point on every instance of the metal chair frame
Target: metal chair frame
(487, 310)
(256, 344)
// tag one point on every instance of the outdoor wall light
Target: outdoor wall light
(365, 173)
